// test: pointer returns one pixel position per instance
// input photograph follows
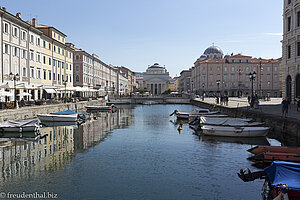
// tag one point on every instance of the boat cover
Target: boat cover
(20, 124)
(286, 173)
(66, 112)
(225, 121)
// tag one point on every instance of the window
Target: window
(44, 59)
(62, 65)
(70, 66)
(67, 78)
(6, 49)
(32, 39)
(240, 61)
(45, 74)
(53, 76)
(24, 35)
(70, 54)
(58, 50)
(62, 52)
(77, 78)
(31, 55)
(58, 64)
(15, 32)
(24, 72)
(58, 77)
(62, 77)
(49, 46)
(39, 74)
(38, 56)
(70, 78)
(16, 51)
(39, 42)
(54, 48)
(289, 51)
(54, 35)
(232, 61)
(77, 57)
(268, 68)
(58, 37)
(24, 54)
(289, 1)
(49, 61)
(32, 72)
(289, 23)
(44, 44)
(232, 69)
(6, 28)
(66, 65)
(49, 74)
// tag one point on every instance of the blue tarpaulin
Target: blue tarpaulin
(67, 112)
(286, 173)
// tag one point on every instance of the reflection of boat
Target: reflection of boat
(268, 157)
(234, 131)
(281, 178)
(20, 126)
(101, 108)
(239, 140)
(63, 116)
(196, 112)
(275, 149)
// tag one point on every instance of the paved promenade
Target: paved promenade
(271, 107)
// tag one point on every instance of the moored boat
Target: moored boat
(282, 180)
(268, 157)
(196, 112)
(20, 126)
(275, 149)
(63, 116)
(234, 122)
(234, 131)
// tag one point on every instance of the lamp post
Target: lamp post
(203, 84)
(239, 83)
(218, 84)
(252, 77)
(260, 68)
(65, 84)
(15, 77)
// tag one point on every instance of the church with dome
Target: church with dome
(156, 79)
(212, 52)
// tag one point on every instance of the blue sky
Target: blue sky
(174, 33)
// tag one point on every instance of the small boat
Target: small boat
(239, 131)
(20, 126)
(62, 116)
(275, 149)
(234, 122)
(239, 140)
(282, 180)
(196, 112)
(101, 108)
(268, 157)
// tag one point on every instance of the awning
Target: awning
(50, 91)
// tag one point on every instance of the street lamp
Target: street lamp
(203, 84)
(260, 69)
(65, 84)
(252, 77)
(218, 84)
(239, 83)
(15, 77)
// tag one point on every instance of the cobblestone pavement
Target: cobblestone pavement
(271, 107)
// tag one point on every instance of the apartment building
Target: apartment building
(290, 65)
(230, 75)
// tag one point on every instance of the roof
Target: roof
(40, 26)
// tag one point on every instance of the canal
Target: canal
(134, 153)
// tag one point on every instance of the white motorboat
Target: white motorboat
(240, 131)
(58, 118)
(20, 126)
(196, 112)
(234, 122)
(63, 116)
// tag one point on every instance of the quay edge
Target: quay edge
(284, 129)
(32, 111)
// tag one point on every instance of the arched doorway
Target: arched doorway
(289, 87)
(297, 86)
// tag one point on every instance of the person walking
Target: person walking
(285, 107)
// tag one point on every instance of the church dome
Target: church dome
(155, 65)
(213, 50)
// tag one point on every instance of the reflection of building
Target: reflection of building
(50, 153)
(230, 75)
(291, 50)
(156, 79)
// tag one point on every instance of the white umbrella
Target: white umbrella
(5, 93)
(24, 94)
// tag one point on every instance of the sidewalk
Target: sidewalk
(271, 107)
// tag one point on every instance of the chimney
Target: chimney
(18, 15)
(3, 8)
(34, 22)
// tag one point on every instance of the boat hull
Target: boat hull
(275, 149)
(235, 131)
(58, 118)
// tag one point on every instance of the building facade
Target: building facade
(291, 49)
(230, 76)
(185, 81)
(156, 79)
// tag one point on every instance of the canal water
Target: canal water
(134, 153)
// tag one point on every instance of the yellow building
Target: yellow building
(57, 59)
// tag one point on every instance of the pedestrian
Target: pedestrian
(249, 99)
(285, 107)
(226, 100)
(298, 104)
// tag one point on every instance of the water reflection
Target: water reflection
(58, 144)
